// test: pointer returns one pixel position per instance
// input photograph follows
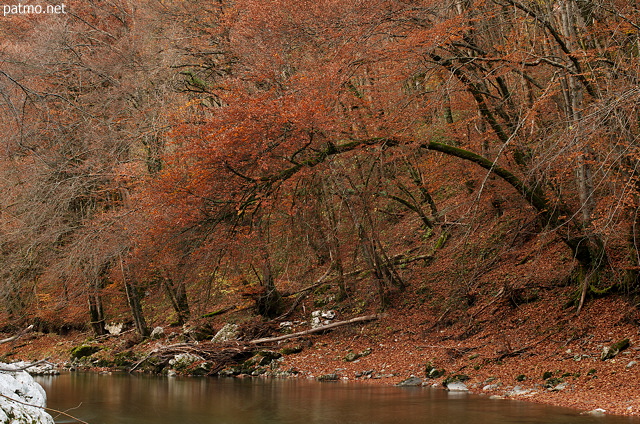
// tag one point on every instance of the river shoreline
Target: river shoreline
(538, 352)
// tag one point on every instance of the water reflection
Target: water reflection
(122, 398)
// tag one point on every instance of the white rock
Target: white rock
(559, 387)
(518, 391)
(328, 314)
(598, 412)
(22, 387)
(457, 386)
(184, 360)
(157, 333)
(321, 318)
(43, 368)
(114, 328)
(227, 333)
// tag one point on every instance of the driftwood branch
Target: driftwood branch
(218, 354)
(17, 336)
(318, 329)
(44, 408)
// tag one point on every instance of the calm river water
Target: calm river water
(122, 398)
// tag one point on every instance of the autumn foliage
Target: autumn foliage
(168, 156)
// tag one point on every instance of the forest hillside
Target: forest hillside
(168, 162)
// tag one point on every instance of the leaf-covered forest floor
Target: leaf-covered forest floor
(495, 343)
(503, 318)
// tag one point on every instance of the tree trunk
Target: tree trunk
(96, 314)
(269, 301)
(177, 295)
(133, 298)
(135, 305)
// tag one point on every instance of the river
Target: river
(141, 399)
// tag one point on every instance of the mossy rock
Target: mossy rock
(102, 363)
(328, 377)
(432, 372)
(613, 350)
(265, 357)
(552, 382)
(352, 356)
(124, 359)
(456, 378)
(84, 351)
(291, 350)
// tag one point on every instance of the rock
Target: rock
(265, 357)
(198, 333)
(44, 368)
(411, 381)
(518, 391)
(321, 318)
(553, 382)
(182, 361)
(598, 412)
(456, 378)
(291, 350)
(352, 356)
(559, 387)
(227, 333)
(157, 333)
(286, 327)
(83, 351)
(328, 377)
(612, 351)
(457, 386)
(631, 364)
(21, 386)
(328, 315)
(491, 387)
(433, 372)
(114, 328)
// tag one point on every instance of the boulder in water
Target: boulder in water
(29, 398)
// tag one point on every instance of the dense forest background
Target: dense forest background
(159, 158)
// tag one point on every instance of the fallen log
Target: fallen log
(17, 336)
(318, 329)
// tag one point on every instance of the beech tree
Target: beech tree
(515, 94)
(153, 148)
(85, 102)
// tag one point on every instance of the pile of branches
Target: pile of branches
(219, 355)
(222, 355)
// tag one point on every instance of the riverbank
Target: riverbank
(537, 351)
